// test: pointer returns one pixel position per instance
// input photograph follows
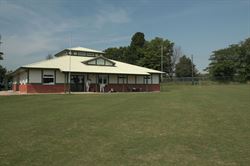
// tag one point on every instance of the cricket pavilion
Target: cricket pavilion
(84, 70)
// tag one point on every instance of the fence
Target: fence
(204, 80)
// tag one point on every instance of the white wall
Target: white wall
(35, 76)
(113, 79)
(59, 77)
(121, 80)
(49, 72)
(140, 80)
(156, 78)
(23, 78)
(131, 79)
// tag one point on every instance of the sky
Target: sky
(32, 29)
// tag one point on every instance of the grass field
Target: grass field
(184, 125)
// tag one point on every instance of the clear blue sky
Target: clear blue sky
(32, 29)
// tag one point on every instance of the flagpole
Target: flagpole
(69, 79)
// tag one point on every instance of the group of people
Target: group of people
(88, 82)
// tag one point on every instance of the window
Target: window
(100, 61)
(122, 79)
(90, 54)
(92, 62)
(82, 53)
(48, 79)
(103, 79)
(107, 63)
(147, 79)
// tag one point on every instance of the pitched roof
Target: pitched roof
(63, 63)
(84, 49)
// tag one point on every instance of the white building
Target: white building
(88, 70)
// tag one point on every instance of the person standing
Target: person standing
(87, 84)
(102, 86)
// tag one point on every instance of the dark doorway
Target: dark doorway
(77, 83)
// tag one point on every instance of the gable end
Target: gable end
(99, 61)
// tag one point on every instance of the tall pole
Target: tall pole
(69, 79)
(192, 69)
(162, 62)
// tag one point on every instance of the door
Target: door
(77, 83)
(102, 82)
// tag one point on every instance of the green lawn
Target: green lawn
(185, 125)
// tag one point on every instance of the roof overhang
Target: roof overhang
(17, 71)
(23, 69)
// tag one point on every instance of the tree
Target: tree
(132, 55)
(138, 40)
(152, 54)
(144, 53)
(116, 53)
(49, 56)
(1, 55)
(231, 63)
(243, 64)
(2, 76)
(177, 53)
(129, 54)
(184, 67)
(223, 65)
(136, 49)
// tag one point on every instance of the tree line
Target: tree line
(150, 54)
(147, 54)
(2, 69)
(2, 73)
(231, 63)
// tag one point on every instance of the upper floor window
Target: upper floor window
(100, 61)
(82, 53)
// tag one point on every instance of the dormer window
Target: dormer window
(99, 61)
(80, 51)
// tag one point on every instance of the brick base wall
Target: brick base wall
(127, 88)
(60, 88)
(15, 87)
(23, 88)
(37, 88)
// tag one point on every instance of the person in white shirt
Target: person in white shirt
(102, 86)
(87, 84)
